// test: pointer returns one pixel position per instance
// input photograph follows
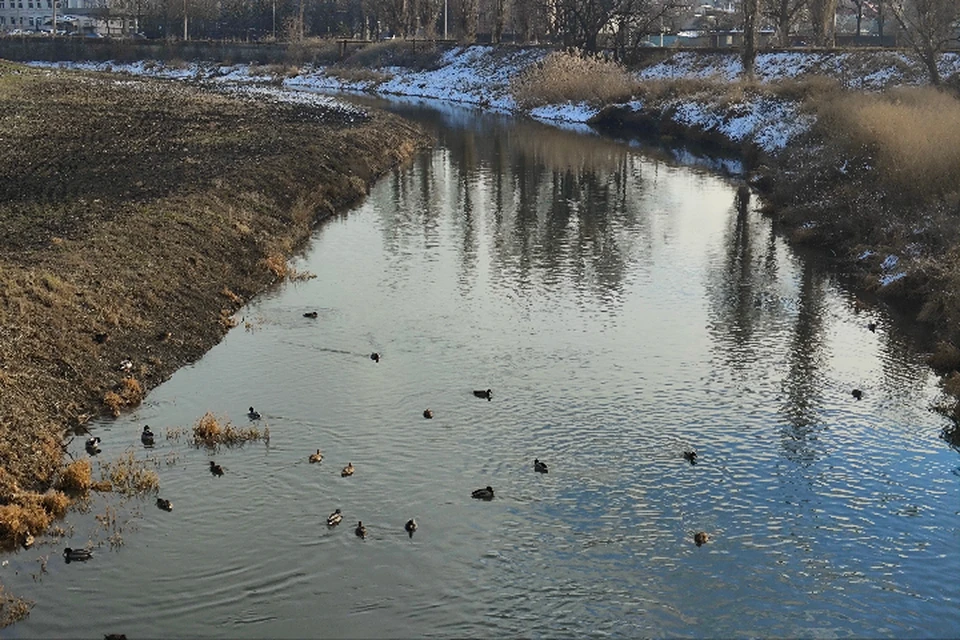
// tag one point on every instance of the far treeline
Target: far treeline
(620, 26)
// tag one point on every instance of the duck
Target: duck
(126, 366)
(483, 494)
(334, 518)
(164, 504)
(146, 437)
(856, 393)
(77, 554)
(316, 457)
(700, 538)
(872, 326)
(375, 356)
(92, 445)
(539, 467)
(114, 636)
(690, 456)
(361, 530)
(216, 469)
(428, 414)
(347, 470)
(488, 394)
(310, 314)
(410, 527)
(253, 414)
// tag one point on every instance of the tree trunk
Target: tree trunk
(748, 53)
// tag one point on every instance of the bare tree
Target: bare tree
(468, 20)
(823, 15)
(929, 26)
(784, 15)
(751, 19)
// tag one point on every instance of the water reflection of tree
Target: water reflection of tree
(745, 310)
(563, 207)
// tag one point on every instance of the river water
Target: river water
(623, 310)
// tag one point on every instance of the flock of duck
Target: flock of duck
(148, 438)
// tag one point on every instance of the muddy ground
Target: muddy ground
(135, 217)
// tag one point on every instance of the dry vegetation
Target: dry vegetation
(126, 209)
(209, 432)
(572, 76)
(12, 608)
(129, 475)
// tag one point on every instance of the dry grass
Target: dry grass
(275, 264)
(912, 135)
(357, 74)
(231, 296)
(12, 608)
(574, 77)
(129, 475)
(76, 477)
(419, 55)
(209, 432)
(128, 393)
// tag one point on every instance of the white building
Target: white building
(73, 16)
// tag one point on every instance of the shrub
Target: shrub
(572, 77)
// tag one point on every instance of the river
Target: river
(622, 309)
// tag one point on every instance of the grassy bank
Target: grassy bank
(136, 217)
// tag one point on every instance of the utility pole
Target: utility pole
(274, 20)
(445, 19)
(54, 32)
(185, 36)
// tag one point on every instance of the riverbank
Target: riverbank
(137, 217)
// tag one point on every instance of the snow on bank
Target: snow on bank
(481, 75)
(870, 70)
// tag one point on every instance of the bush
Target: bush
(208, 432)
(572, 77)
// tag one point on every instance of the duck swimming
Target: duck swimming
(483, 494)
(872, 326)
(410, 527)
(347, 470)
(316, 457)
(310, 314)
(428, 414)
(375, 356)
(253, 414)
(361, 530)
(216, 469)
(92, 446)
(79, 555)
(488, 394)
(539, 467)
(146, 437)
(690, 456)
(856, 393)
(334, 518)
(700, 538)
(164, 504)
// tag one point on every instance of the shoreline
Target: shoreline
(134, 229)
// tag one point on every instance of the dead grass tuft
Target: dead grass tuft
(231, 296)
(129, 475)
(208, 432)
(572, 76)
(55, 503)
(275, 264)
(12, 608)
(357, 74)
(76, 477)
(128, 393)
